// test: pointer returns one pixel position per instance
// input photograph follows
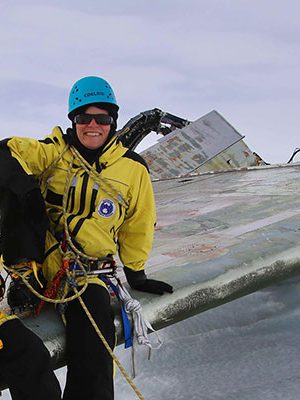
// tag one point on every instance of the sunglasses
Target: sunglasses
(101, 119)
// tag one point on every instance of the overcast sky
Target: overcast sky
(186, 57)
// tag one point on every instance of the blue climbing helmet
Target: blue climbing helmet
(92, 90)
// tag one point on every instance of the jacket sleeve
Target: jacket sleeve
(12, 175)
(136, 234)
(20, 160)
(23, 215)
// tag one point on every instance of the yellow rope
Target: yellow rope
(105, 343)
(98, 178)
(45, 174)
(44, 298)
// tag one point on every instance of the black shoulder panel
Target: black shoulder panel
(3, 144)
(54, 198)
(46, 141)
(136, 157)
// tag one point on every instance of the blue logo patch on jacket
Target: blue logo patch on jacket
(106, 208)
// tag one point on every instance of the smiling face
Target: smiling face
(93, 135)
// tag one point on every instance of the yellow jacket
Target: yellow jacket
(107, 213)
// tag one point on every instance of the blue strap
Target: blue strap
(74, 266)
(126, 328)
(126, 323)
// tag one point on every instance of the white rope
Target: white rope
(141, 326)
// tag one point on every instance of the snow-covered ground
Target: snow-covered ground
(248, 349)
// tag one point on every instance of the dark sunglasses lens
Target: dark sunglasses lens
(101, 119)
(82, 119)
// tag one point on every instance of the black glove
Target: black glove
(139, 281)
(153, 286)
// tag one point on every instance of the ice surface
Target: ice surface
(248, 349)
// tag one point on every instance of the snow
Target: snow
(248, 349)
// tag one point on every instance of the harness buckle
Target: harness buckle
(102, 266)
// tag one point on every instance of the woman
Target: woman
(84, 195)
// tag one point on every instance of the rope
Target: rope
(141, 325)
(42, 297)
(99, 179)
(43, 177)
(106, 345)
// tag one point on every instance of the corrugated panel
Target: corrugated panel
(184, 150)
(236, 156)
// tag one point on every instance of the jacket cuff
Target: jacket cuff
(134, 278)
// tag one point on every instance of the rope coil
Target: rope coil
(141, 325)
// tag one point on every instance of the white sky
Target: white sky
(186, 57)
